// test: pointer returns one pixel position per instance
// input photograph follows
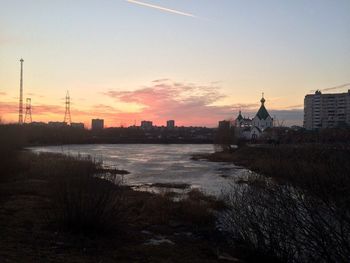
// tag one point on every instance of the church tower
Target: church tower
(262, 119)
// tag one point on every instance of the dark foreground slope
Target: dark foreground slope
(53, 210)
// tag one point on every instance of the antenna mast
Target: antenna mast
(20, 112)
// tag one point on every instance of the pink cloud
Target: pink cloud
(188, 104)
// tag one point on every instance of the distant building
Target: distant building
(79, 125)
(146, 125)
(326, 110)
(38, 123)
(170, 124)
(97, 124)
(57, 124)
(253, 128)
(224, 124)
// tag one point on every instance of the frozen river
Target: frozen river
(158, 163)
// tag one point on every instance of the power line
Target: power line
(333, 88)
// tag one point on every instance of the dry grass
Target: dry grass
(195, 211)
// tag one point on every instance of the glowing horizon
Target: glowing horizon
(156, 102)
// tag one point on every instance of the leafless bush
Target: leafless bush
(83, 203)
(286, 222)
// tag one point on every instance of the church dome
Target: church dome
(262, 113)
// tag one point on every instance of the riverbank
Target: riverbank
(311, 166)
(53, 210)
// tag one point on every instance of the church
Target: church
(253, 128)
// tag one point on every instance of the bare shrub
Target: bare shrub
(286, 222)
(83, 203)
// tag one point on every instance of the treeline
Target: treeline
(48, 135)
(291, 136)
(227, 136)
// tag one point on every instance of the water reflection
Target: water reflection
(151, 164)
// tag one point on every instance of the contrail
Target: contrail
(161, 8)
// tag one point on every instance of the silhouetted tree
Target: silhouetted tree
(224, 137)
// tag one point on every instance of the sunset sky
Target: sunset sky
(194, 61)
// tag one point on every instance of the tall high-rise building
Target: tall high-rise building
(326, 110)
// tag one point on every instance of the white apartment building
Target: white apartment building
(326, 110)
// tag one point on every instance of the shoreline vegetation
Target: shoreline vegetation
(293, 207)
(306, 166)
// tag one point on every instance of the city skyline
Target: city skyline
(196, 62)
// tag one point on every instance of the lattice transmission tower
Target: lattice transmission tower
(28, 115)
(20, 110)
(67, 117)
